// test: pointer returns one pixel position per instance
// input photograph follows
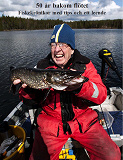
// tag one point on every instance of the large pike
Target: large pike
(46, 78)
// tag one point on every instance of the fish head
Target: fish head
(61, 79)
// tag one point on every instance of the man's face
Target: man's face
(61, 53)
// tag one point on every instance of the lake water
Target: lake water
(25, 48)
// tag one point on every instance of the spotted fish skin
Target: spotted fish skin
(44, 78)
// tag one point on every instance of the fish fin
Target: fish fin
(58, 87)
(47, 93)
(12, 67)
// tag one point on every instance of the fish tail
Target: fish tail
(14, 88)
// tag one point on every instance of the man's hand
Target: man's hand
(73, 87)
(17, 81)
(75, 83)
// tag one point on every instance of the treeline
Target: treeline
(104, 24)
(17, 23)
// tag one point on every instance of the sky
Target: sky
(65, 10)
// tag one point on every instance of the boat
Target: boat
(111, 112)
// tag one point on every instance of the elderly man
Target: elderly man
(65, 114)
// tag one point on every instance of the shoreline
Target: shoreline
(52, 28)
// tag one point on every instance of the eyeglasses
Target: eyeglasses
(61, 45)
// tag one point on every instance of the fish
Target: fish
(46, 78)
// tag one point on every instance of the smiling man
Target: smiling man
(61, 52)
(66, 113)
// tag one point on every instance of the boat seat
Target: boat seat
(118, 103)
